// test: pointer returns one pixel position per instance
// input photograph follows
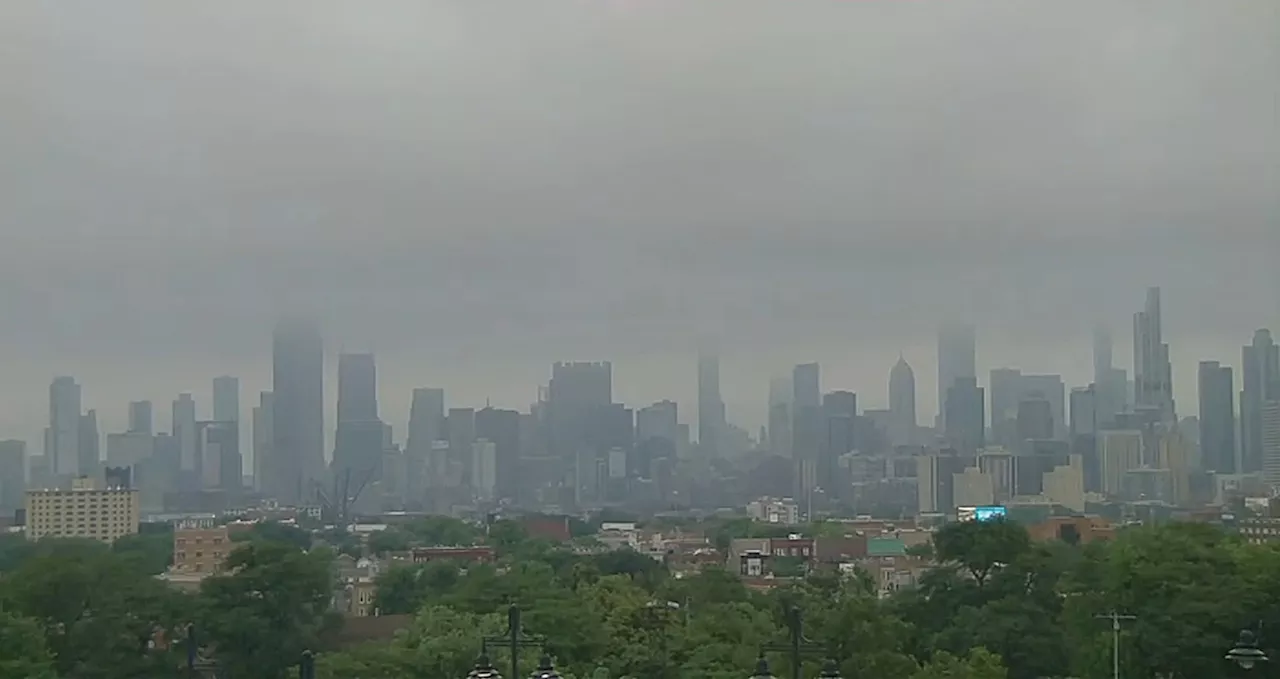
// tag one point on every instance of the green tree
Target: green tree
(390, 540)
(151, 549)
(980, 547)
(23, 654)
(978, 663)
(270, 607)
(274, 531)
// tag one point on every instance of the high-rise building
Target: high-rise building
(218, 455)
(462, 433)
(1006, 391)
(263, 437)
(780, 394)
(426, 426)
(577, 391)
(1035, 419)
(1120, 451)
(957, 358)
(226, 399)
(360, 438)
(838, 437)
(1217, 418)
(806, 425)
(89, 448)
(62, 438)
(1084, 410)
(1110, 383)
(660, 420)
(484, 455)
(711, 416)
(130, 448)
(357, 388)
(13, 476)
(1260, 382)
(140, 417)
(184, 430)
(902, 404)
(965, 423)
(1152, 372)
(297, 450)
(501, 428)
(1052, 389)
(1102, 349)
(1270, 425)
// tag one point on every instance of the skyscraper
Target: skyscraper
(711, 417)
(184, 430)
(965, 418)
(357, 388)
(501, 429)
(426, 426)
(89, 446)
(297, 450)
(13, 476)
(263, 437)
(62, 438)
(957, 358)
(1217, 418)
(1152, 372)
(1260, 382)
(140, 417)
(226, 399)
(806, 412)
(1102, 347)
(902, 403)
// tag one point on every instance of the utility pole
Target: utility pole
(1115, 619)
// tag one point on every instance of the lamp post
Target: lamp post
(546, 670)
(484, 669)
(307, 666)
(1246, 653)
(796, 647)
(655, 613)
(515, 639)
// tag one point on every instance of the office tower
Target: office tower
(218, 455)
(1175, 456)
(226, 399)
(1102, 347)
(806, 425)
(1006, 389)
(711, 417)
(500, 429)
(973, 488)
(1269, 422)
(263, 437)
(89, 447)
(1064, 484)
(660, 420)
(965, 422)
(902, 404)
(62, 438)
(1035, 419)
(1084, 410)
(13, 476)
(1119, 451)
(483, 466)
(184, 430)
(1260, 382)
(935, 481)
(112, 513)
(957, 358)
(1054, 390)
(838, 438)
(1152, 372)
(297, 450)
(1217, 418)
(462, 433)
(575, 392)
(140, 417)
(130, 448)
(357, 388)
(426, 426)
(360, 438)
(780, 394)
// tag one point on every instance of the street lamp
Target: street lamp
(762, 668)
(514, 639)
(546, 670)
(484, 669)
(830, 670)
(1246, 653)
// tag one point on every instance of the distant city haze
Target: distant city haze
(472, 191)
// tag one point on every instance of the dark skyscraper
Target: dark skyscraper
(226, 399)
(357, 388)
(426, 426)
(965, 416)
(576, 392)
(297, 450)
(502, 429)
(1260, 382)
(711, 418)
(957, 358)
(1152, 372)
(1217, 418)
(839, 419)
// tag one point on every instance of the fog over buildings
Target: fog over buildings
(473, 191)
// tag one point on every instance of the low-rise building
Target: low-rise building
(467, 554)
(84, 511)
(200, 549)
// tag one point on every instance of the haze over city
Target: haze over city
(474, 192)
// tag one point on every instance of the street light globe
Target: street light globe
(1246, 653)
(762, 669)
(546, 670)
(483, 669)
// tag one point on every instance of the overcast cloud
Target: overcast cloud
(475, 188)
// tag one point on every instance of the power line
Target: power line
(1116, 619)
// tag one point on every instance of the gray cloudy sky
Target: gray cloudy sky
(475, 189)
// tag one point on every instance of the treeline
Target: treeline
(998, 606)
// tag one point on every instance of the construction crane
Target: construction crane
(336, 503)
